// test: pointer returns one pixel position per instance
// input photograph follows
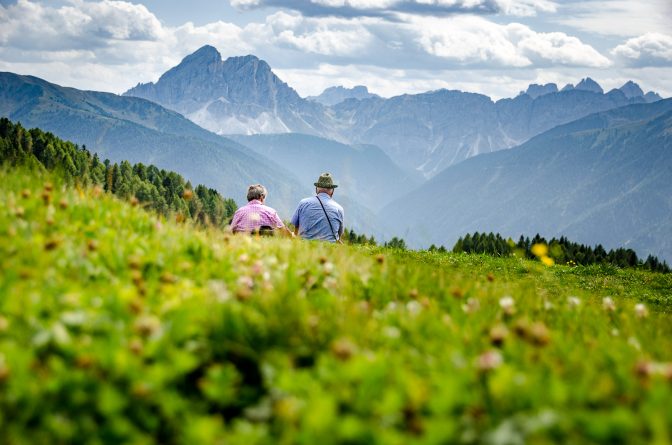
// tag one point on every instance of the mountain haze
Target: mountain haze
(137, 130)
(601, 179)
(365, 173)
(426, 132)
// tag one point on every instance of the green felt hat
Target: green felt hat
(326, 181)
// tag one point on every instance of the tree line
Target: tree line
(165, 192)
(562, 250)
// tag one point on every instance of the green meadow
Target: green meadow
(120, 326)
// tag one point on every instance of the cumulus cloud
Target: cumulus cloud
(474, 40)
(353, 8)
(112, 45)
(650, 49)
(79, 24)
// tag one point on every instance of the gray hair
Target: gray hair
(256, 191)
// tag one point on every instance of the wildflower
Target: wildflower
(135, 201)
(457, 292)
(641, 311)
(380, 258)
(490, 277)
(573, 301)
(328, 268)
(472, 305)
(391, 332)
(608, 304)
(540, 250)
(4, 369)
(413, 307)
(507, 304)
(187, 194)
(19, 212)
(25, 193)
(63, 204)
(547, 261)
(489, 360)
(51, 244)
(92, 245)
(136, 346)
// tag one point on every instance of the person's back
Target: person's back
(255, 217)
(320, 217)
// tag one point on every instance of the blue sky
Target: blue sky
(495, 47)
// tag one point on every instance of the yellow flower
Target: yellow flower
(548, 261)
(540, 250)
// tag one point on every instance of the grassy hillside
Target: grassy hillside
(120, 327)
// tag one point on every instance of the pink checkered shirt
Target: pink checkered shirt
(253, 215)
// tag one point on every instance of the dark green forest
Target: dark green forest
(562, 250)
(165, 192)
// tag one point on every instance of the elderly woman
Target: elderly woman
(255, 217)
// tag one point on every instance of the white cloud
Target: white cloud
(649, 49)
(354, 8)
(78, 25)
(627, 18)
(473, 40)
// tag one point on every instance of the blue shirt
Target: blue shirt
(310, 219)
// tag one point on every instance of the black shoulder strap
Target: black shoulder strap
(328, 220)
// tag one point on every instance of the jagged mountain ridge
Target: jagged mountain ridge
(239, 95)
(335, 95)
(600, 179)
(137, 130)
(427, 132)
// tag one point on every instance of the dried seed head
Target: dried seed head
(380, 258)
(92, 245)
(46, 197)
(25, 193)
(457, 292)
(19, 212)
(51, 244)
(187, 194)
(147, 325)
(343, 349)
(134, 201)
(413, 294)
(539, 334)
(491, 277)
(136, 346)
(498, 334)
(63, 204)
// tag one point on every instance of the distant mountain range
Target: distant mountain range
(137, 130)
(427, 132)
(335, 95)
(128, 128)
(603, 179)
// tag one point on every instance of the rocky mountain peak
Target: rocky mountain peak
(631, 89)
(589, 84)
(535, 90)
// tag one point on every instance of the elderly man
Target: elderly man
(256, 217)
(320, 217)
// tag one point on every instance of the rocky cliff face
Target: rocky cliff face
(236, 95)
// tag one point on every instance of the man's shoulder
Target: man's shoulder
(306, 201)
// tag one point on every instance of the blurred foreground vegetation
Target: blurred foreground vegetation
(118, 326)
